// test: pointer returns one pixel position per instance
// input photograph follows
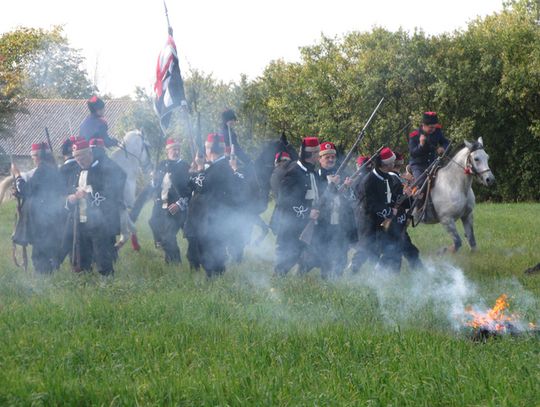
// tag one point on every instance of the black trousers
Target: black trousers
(165, 228)
(411, 252)
(96, 247)
(213, 254)
(331, 250)
(290, 250)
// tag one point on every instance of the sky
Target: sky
(121, 39)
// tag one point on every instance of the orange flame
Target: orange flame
(493, 319)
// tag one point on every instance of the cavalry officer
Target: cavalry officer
(95, 125)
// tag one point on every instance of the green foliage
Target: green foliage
(38, 63)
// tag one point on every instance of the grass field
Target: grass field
(159, 335)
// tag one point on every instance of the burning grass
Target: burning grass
(496, 321)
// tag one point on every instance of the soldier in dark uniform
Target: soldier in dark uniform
(426, 143)
(228, 120)
(117, 179)
(171, 198)
(41, 209)
(95, 125)
(298, 192)
(335, 224)
(282, 161)
(410, 251)
(95, 210)
(211, 217)
(385, 222)
(364, 249)
(66, 169)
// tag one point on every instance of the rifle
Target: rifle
(356, 175)
(76, 245)
(50, 144)
(307, 234)
(358, 139)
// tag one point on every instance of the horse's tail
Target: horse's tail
(4, 186)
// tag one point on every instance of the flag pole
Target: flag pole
(183, 104)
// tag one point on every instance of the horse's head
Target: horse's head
(136, 146)
(478, 162)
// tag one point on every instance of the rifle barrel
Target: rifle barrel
(358, 139)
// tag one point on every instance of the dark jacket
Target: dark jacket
(42, 205)
(426, 154)
(377, 207)
(95, 126)
(179, 191)
(215, 201)
(294, 205)
(103, 203)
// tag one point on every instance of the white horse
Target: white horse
(132, 155)
(452, 194)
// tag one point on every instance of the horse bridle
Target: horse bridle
(469, 168)
(144, 147)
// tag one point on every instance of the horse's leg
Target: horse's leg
(141, 199)
(468, 226)
(124, 229)
(450, 226)
(133, 231)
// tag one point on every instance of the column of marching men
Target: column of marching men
(73, 210)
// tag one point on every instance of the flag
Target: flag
(169, 86)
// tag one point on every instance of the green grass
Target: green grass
(159, 335)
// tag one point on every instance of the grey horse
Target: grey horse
(452, 195)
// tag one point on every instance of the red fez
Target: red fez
(399, 158)
(39, 147)
(387, 156)
(327, 148)
(215, 138)
(75, 138)
(282, 156)
(80, 145)
(311, 144)
(172, 143)
(362, 159)
(97, 142)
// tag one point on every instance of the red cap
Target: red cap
(387, 156)
(282, 156)
(362, 159)
(96, 142)
(80, 145)
(38, 147)
(75, 138)
(215, 138)
(172, 143)
(327, 148)
(399, 158)
(310, 144)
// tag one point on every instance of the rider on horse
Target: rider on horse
(95, 126)
(425, 144)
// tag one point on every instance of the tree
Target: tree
(37, 63)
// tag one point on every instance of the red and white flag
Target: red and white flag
(169, 87)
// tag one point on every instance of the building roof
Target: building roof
(62, 117)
